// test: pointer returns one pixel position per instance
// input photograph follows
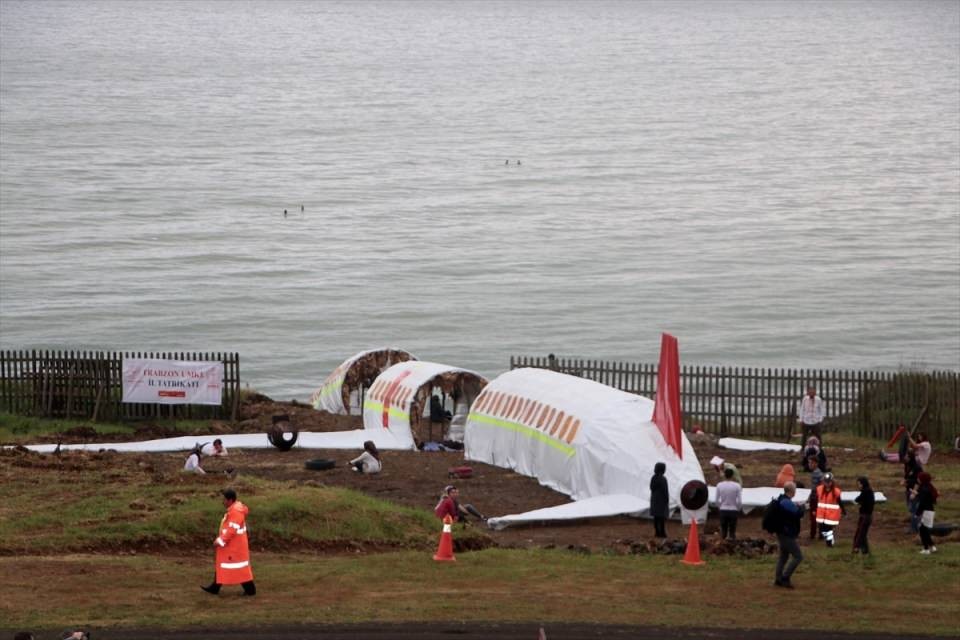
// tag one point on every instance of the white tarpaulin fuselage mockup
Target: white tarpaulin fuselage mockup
(329, 397)
(388, 402)
(578, 437)
(353, 439)
(739, 444)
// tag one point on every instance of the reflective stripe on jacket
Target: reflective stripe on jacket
(828, 505)
(233, 552)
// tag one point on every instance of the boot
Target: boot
(213, 588)
(249, 589)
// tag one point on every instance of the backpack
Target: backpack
(772, 517)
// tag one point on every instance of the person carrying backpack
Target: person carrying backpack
(789, 514)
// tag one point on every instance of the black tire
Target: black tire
(283, 440)
(320, 464)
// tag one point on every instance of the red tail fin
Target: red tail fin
(666, 409)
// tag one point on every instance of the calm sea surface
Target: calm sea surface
(775, 183)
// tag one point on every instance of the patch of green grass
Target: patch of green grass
(493, 585)
(90, 509)
(16, 429)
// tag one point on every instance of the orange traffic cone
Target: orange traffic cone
(445, 548)
(692, 556)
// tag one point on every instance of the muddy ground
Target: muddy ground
(476, 631)
(416, 479)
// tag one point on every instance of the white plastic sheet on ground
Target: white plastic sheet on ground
(306, 440)
(753, 497)
(601, 506)
(625, 504)
(739, 444)
(576, 436)
(388, 403)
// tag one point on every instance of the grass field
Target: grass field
(109, 540)
(896, 591)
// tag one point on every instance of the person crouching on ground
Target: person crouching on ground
(866, 501)
(659, 500)
(369, 460)
(786, 475)
(791, 515)
(449, 505)
(192, 464)
(829, 508)
(233, 551)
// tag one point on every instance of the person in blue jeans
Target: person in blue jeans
(791, 514)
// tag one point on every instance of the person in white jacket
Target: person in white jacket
(810, 414)
(192, 465)
(369, 460)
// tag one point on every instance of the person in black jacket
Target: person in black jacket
(911, 469)
(926, 496)
(659, 500)
(866, 501)
(791, 514)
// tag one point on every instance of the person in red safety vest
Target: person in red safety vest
(829, 508)
(233, 552)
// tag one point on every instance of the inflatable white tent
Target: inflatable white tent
(592, 442)
(399, 395)
(352, 375)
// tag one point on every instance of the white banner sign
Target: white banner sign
(172, 381)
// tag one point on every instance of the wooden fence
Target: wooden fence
(88, 385)
(744, 401)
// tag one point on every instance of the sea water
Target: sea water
(775, 183)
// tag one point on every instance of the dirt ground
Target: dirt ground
(416, 479)
(443, 631)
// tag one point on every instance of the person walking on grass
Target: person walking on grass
(866, 501)
(233, 551)
(790, 516)
(659, 500)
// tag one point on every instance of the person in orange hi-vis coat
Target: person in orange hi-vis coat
(233, 552)
(829, 508)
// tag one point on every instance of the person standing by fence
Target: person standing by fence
(810, 414)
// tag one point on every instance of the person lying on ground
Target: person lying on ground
(214, 449)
